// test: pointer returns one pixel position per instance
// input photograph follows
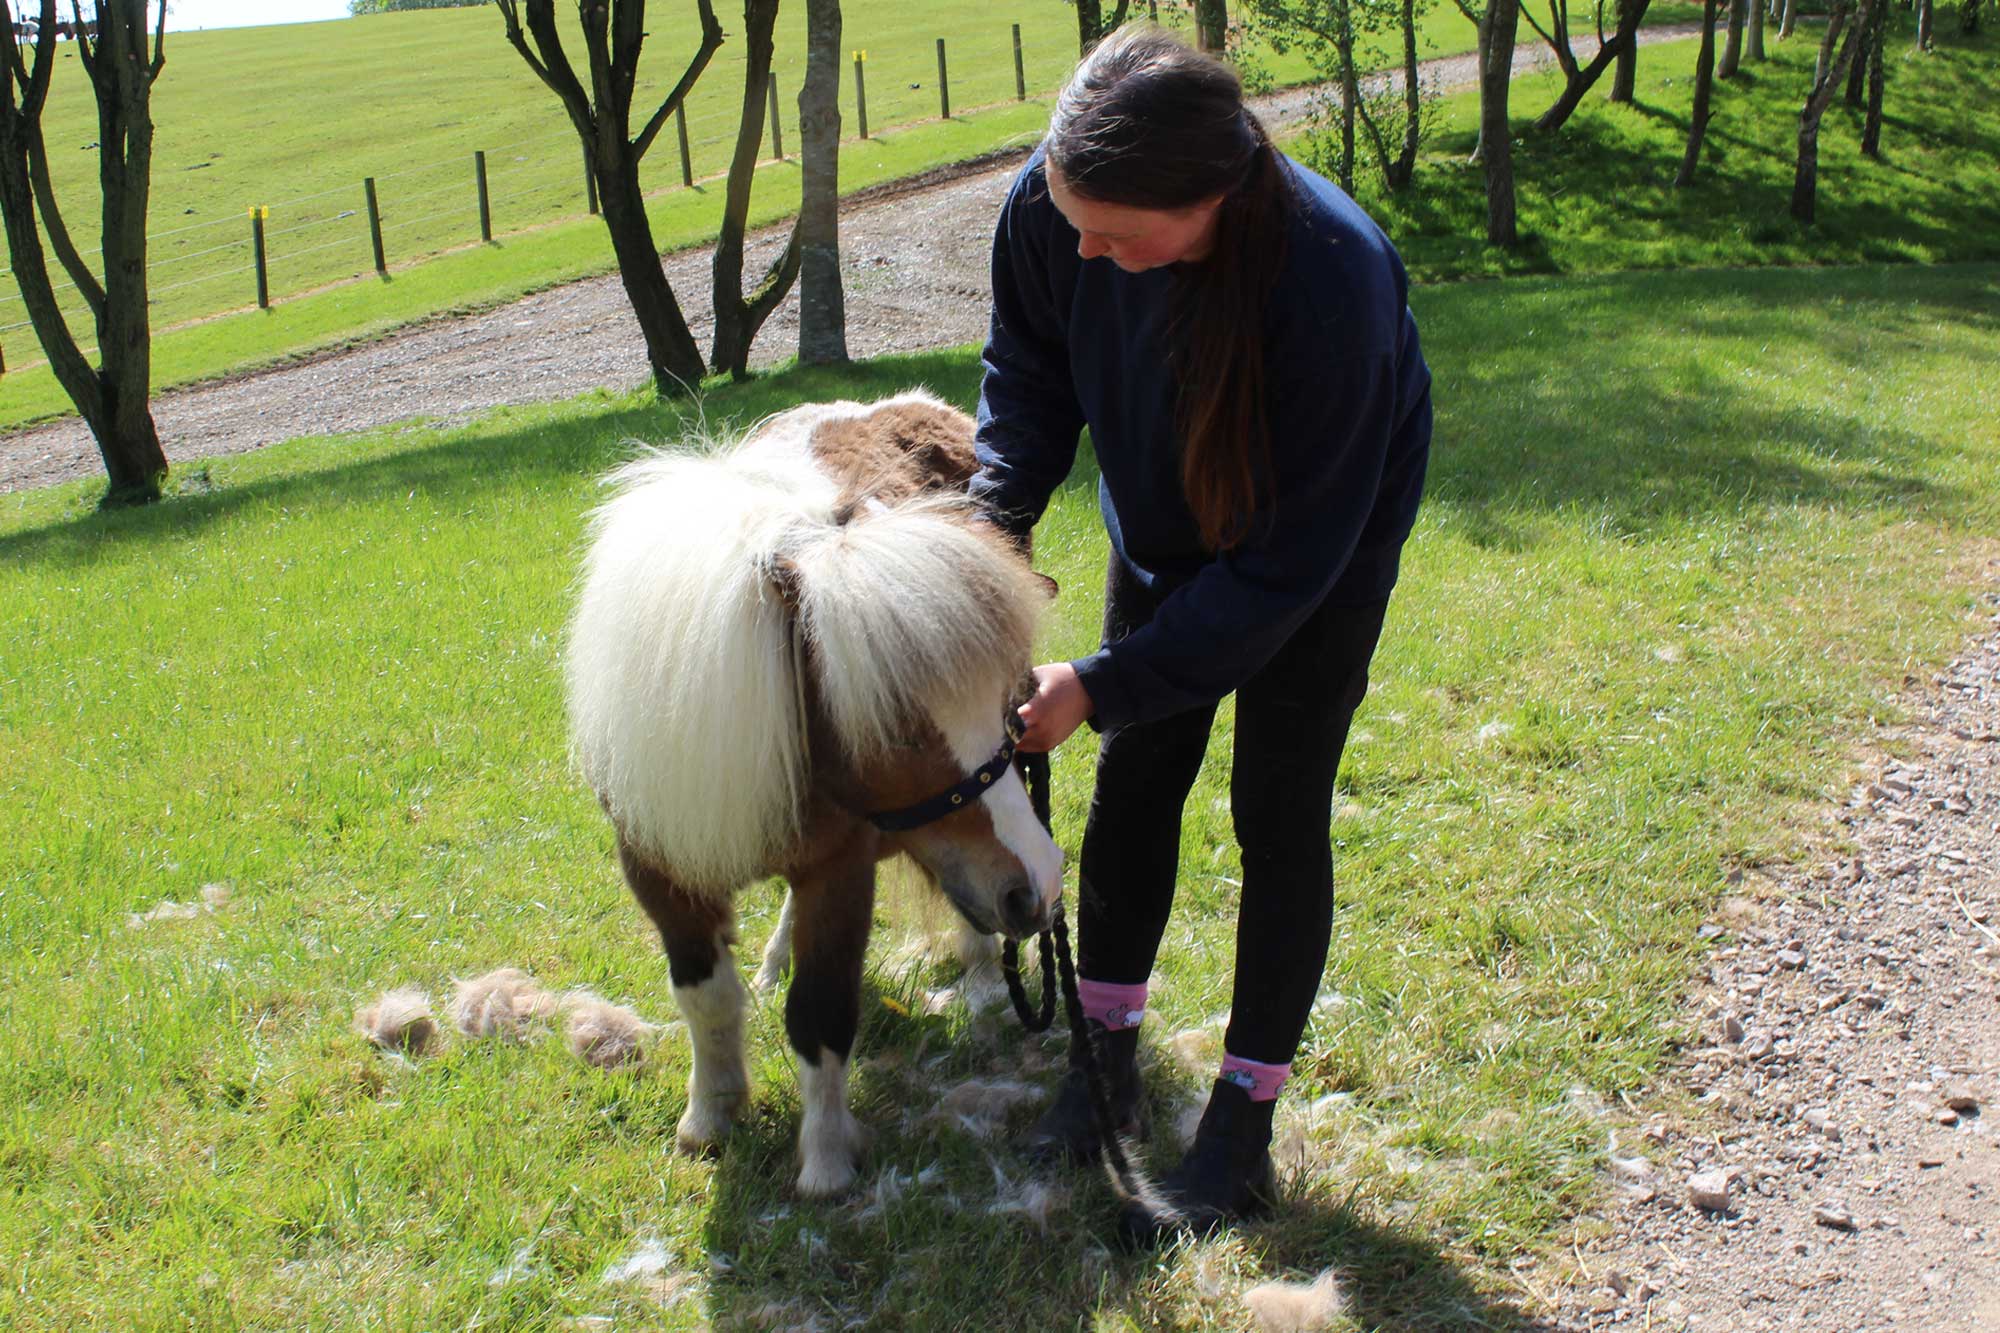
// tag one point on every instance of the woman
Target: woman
(1235, 333)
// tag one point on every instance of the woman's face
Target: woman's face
(1135, 239)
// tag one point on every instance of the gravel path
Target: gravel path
(1827, 1160)
(916, 277)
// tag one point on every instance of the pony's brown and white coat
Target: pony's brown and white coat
(773, 641)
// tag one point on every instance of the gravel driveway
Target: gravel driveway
(916, 277)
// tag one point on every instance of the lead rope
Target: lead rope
(1054, 944)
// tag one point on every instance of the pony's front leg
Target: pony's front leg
(830, 920)
(777, 950)
(696, 930)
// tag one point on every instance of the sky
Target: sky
(185, 14)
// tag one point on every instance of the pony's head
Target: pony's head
(916, 622)
(757, 666)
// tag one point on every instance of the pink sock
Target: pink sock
(1261, 1081)
(1117, 1007)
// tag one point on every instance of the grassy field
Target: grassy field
(1598, 195)
(1652, 603)
(294, 117)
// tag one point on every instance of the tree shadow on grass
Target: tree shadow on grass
(565, 446)
(1650, 400)
(926, 1240)
(1644, 397)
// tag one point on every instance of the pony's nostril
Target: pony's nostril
(1021, 910)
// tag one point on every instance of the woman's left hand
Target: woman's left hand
(1059, 707)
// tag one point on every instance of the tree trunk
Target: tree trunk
(1211, 25)
(737, 317)
(1857, 73)
(1805, 181)
(1580, 81)
(1925, 19)
(1758, 16)
(1495, 137)
(1350, 87)
(1398, 174)
(822, 302)
(1968, 18)
(113, 397)
(613, 34)
(1792, 17)
(1090, 25)
(1627, 72)
(1704, 83)
(1732, 50)
(1871, 130)
(1827, 43)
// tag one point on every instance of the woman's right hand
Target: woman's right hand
(1061, 705)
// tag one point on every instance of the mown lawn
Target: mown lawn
(1598, 195)
(1655, 597)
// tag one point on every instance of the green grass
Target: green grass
(1598, 195)
(294, 117)
(1652, 603)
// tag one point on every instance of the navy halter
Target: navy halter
(955, 797)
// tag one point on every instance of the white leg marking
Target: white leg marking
(777, 952)
(719, 1087)
(973, 949)
(830, 1138)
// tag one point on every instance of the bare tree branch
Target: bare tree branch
(58, 230)
(711, 41)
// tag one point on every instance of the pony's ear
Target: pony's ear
(1049, 585)
(783, 572)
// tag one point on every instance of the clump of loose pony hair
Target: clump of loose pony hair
(1298, 1307)
(604, 1034)
(503, 1002)
(1146, 122)
(399, 1021)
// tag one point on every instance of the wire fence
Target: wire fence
(310, 241)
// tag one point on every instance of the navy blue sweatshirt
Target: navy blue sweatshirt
(1079, 342)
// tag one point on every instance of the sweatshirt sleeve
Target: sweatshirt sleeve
(1029, 417)
(1332, 427)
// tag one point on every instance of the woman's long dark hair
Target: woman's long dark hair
(1145, 122)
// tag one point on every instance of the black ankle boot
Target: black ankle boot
(1226, 1175)
(1067, 1131)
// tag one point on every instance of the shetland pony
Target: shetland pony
(795, 656)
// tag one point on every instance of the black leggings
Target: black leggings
(1291, 723)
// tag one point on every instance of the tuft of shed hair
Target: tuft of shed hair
(1297, 1307)
(980, 1106)
(399, 1021)
(1035, 1200)
(500, 1004)
(604, 1034)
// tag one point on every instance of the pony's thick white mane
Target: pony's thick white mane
(682, 697)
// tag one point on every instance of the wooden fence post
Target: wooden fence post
(257, 216)
(777, 139)
(375, 225)
(687, 158)
(1020, 74)
(861, 92)
(944, 85)
(485, 204)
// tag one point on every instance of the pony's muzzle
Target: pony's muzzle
(1024, 912)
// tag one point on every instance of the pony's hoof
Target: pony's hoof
(769, 977)
(826, 1177)
(705, 1124)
